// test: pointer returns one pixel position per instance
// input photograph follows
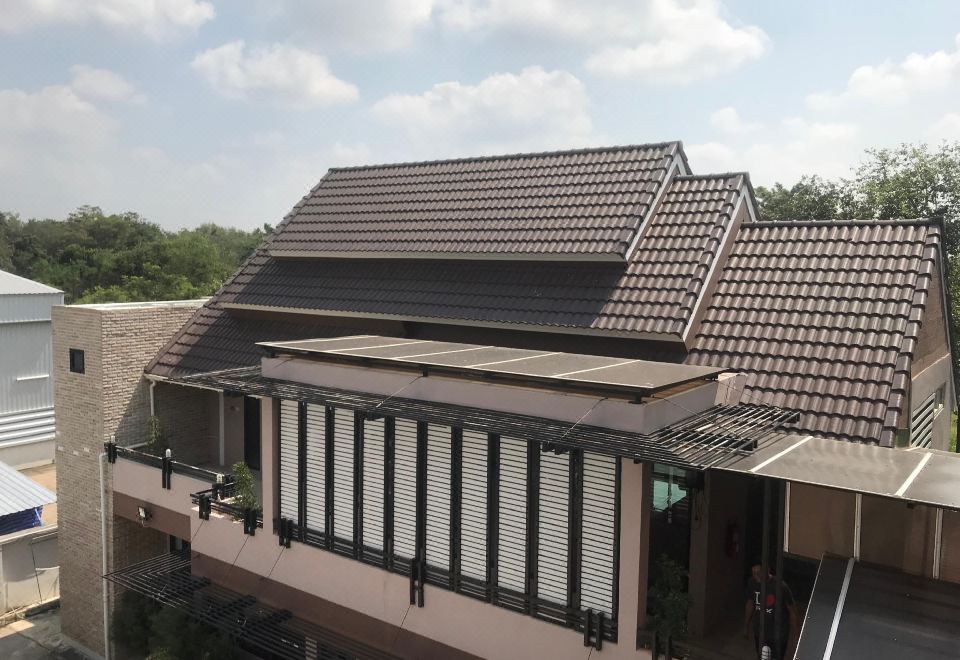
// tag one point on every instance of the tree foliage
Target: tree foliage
(94, 257)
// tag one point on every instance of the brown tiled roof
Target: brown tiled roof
(654, 294)
(823, 317)
(212, 339)
(585, 204)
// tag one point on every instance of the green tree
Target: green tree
(96, 257)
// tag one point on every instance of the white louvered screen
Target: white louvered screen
(511, 549)
(343, 451)
(289, 442)
(438, 496)
(921, 422)
(554, 508)
(316, 467)
(373, 443)
(597, 568)
(473, 526)
(405, 489)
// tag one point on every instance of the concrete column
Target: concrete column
(634, 551)
(269, 463)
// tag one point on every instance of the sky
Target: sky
(229, 111)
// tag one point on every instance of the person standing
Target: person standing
(789, 615)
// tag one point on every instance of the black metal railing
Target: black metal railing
(165, 464)
(218, 498)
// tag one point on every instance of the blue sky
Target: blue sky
(189, 111)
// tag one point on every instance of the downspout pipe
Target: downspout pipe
(103, 557)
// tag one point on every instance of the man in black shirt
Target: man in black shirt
(789, 617)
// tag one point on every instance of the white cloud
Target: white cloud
(895, 82)
(946, 127)
(673, 41)
(102, 84)
(657, 40)
(533, 109)
(729, 121)
(278, 73)
(357, 25)
(798, 147)
(696, 43)
(154, 18)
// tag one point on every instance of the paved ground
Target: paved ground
(36, 638)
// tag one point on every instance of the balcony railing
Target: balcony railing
(165, 464)
(218, 498)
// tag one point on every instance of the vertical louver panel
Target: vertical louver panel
(316, 467)
(343, 455)
(289, 442)
(921, 422)
(599, 503)
(438, 496)
(473, 530)
(405, 490)
(553, 542)
(373, 478)
(511, 551)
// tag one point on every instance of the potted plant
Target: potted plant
(154, 436)
(244, 487)
(669, 604)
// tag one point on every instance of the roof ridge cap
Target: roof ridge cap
(855, 222)
(523, 154)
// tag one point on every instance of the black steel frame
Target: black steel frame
(168, 580)
(698, 442)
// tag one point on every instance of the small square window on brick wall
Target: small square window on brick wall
(76, 361)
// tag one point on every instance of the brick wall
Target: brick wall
(111, 397)
(189, 419)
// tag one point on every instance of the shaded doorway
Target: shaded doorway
(251, 432)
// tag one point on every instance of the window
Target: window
(529, 528)
(76, 361)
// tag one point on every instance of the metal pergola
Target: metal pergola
(698, 442)
(167, 580)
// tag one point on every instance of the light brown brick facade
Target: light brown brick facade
(110, 398)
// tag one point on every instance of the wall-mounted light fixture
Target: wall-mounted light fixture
(143, 514)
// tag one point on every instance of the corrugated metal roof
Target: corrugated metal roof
(824, 317)
(11, 284)
(20, 493)
(588, 203)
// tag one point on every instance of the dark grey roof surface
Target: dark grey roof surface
(861, 610)
(588, 203)
(656, 292)
(548, 367)
(824, 317)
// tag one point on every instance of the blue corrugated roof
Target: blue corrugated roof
(20, 493)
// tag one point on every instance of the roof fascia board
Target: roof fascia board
(675, 165)
(500, 325)
(451, 256)
(721, 256)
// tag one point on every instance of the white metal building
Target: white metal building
(26, 385)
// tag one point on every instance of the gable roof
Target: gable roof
(654, 294)
(585, 204)
(824, 317)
